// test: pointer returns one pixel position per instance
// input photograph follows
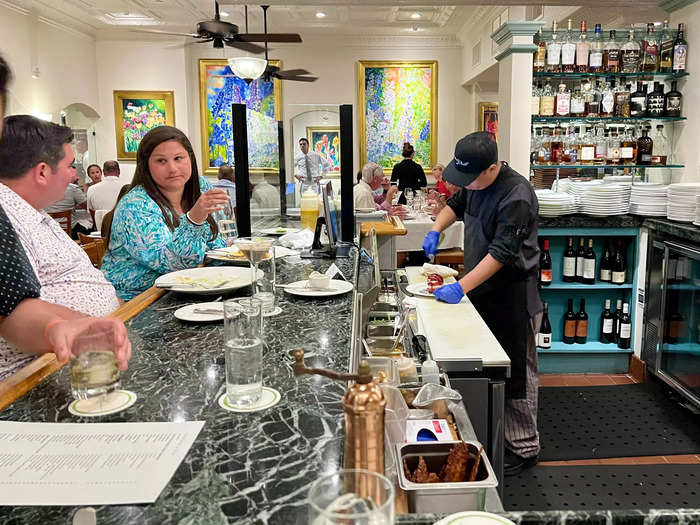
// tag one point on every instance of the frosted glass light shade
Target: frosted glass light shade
(247, 67)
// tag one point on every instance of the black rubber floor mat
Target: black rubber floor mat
(613, 421)
(610, 487)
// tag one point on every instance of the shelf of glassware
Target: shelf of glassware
(536, 119)
(638, 74)
(590, 166)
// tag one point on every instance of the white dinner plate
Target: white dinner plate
(232, 253)
(187, 313)
(279, 231)
(419, 289)
(336, 287)
(474, 517)
(208, 280)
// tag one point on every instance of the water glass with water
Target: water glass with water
(265, 283)
(226, 221)
(408, 193)
(244, 351)
(94, 370)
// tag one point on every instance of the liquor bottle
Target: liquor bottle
(595, 57)
(614, 147)
(544, 337)
(586, 146)
(608, 99)
(680, 51)
(547, 101)
(661, 148)
(622, 100)
(569, 263)
(535, 141)
(625, 328)
(673, 101)
(601, 146)
(563, 101)
(535, 99)
(606, 264)
(656, 101)
(638, 101)
(544, 151)
(619, 268)
(630, 55)
(591, 95)
(545, 265)
(650, 51)
(582, 49)
(554, 51)
(569, 324)
(557, 152)
(579, 260)
(611, 54)
(589, 264)
(539, 60)
(607, 334)
(645, 148)
(578, 104)
(581, 324)
(628, 147)
(568, 51)
(666, 50)
(616, 319)
(570, 146)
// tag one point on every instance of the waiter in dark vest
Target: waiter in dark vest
(501, 258)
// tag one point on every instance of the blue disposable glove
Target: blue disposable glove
(450, 293)
(430, 243)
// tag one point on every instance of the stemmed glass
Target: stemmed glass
(254, 249)
(408, 193)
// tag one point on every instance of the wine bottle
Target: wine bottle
(582, 324)
(569, 263)
(545, 265)
(616, 321)
(544, 337)
(589, 264)
(607, 325)
(680, 51)
(606, 264)
(625, 328)
(619, 269)
(579, 260)
(569, 324)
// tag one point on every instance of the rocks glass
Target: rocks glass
(94, 370)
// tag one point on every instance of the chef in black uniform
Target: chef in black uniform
(501, 258)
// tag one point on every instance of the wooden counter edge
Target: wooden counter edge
(43, 366)
(393, 226)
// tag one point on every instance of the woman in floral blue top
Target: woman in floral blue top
(165, 222)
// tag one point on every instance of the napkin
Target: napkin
(297, 240)
(442, 271)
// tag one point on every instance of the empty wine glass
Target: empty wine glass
(409, 194)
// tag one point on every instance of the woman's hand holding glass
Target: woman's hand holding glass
(209, 202)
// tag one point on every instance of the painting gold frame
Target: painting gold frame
(119, 96)
(485, 107)
(361, 66)
(310, 130)
(276, 86)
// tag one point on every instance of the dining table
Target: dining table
(418, 224)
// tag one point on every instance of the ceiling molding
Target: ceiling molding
(13, 7)
(48, 21)
(391, 41)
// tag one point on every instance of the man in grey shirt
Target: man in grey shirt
(74, 199)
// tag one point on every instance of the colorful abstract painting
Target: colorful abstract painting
(398, 104)
(135, 114)
(326, 142)
(219, 88)
(488, 118)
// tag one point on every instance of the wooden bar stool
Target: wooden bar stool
(95, 250)
(63, 218)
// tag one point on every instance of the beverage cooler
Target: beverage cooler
(671, 343)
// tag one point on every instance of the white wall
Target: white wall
(66, 61)
(139, 65)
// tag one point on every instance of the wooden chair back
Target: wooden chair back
(85, 239)
(95, 250)
(63, 219)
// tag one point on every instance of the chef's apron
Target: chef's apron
(503, 304)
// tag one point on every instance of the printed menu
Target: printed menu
(90, 463)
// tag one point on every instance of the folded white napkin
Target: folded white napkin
(297, 240)
(443, 271)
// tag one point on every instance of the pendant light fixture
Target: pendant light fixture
(247, 67)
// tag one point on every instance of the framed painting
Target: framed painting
(397, 103)
(326, 142)
(488, 118)
(136, 113)
(218, 89)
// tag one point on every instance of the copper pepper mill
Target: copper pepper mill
(363, 406)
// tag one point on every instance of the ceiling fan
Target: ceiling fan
(270, 72)
(224, 33)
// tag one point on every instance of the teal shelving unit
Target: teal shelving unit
(593, 356)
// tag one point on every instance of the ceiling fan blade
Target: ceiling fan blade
(269, 37)
(293, 72)
(155, 31)
(204, 41)
(299, 79)
(245, 46)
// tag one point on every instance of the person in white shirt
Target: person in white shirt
(103, 195)
(368, 192)
(265, 195)
(309, 166)
(74, 200)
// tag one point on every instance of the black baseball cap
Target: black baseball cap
(473, 154)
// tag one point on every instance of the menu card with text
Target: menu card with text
(90, 463)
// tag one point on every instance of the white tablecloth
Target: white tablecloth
(417, 229)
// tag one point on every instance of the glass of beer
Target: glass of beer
(93, 369)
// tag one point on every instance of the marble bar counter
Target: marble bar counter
(681, 230)
(579, 220)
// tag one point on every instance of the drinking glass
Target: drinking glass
(255, 249)
(352, 497)
(244, 351)
(226, 220)
(265, 283)
(94, 370)
(408, 193)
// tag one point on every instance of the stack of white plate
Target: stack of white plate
(648, 199)
(606, 199)
(553, 204)
(682, 203)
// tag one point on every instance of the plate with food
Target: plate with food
(318, 285)
(279, 231)
(233, 253)
(207, 280)
(427, 289)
